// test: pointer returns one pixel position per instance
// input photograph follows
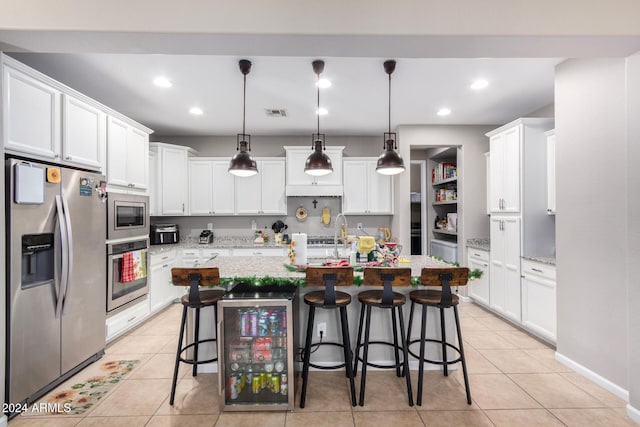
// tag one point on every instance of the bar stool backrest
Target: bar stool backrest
(195, 277)
(388, 277)
(329, 277)
(445, 278)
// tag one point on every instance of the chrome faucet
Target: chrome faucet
(344, 226)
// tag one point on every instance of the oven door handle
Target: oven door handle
(64, 274)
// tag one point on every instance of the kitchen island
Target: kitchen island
(274, 266)
(260, 267)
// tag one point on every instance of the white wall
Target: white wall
(471, 184)
(591, 223)
(633, 209)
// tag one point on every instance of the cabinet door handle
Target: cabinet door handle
(165, 265)
(183, 207)
(537, 270)
(131, 319)
(486, 265)
(475, 254)
(55, 156)
(68, 158)
(165, 257)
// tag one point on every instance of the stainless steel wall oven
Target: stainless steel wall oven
(127, 278)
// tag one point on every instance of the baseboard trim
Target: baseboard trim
(633, 413)
(465, 298)
(3, 421)
(592, 376)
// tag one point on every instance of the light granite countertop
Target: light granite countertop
(218, 243)
(540, 259)
(483, 243)
(231, 266)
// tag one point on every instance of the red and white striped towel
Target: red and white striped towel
(126, 268)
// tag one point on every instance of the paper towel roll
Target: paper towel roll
(298, 248)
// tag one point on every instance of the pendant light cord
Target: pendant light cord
(318, 103)
(244, 103)
(389, 103)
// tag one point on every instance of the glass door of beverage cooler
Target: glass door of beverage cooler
(255, 354)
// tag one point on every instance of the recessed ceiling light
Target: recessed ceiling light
(324, 83)
(479, 84)
(162, 82)
(322, 111)
(196, 111)
(444, 111)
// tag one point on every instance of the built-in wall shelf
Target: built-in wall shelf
(445, 181)
(446, 202)
(441, 231)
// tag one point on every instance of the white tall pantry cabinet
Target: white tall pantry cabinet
(518, 207)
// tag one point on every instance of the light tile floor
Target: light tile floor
(515, 381)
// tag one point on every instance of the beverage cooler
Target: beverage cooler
(256, 348)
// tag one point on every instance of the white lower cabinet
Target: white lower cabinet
(539, 299)
(259, 252)
(197, 256)
(479, 288)
(161, 291)
(504, 286)
(121, 322)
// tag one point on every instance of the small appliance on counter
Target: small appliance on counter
(206, 237)
(162, 234)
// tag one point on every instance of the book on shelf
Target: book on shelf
(444, 171)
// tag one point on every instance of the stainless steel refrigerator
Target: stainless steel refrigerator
(56, 275)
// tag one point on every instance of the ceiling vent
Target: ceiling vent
(275, 112)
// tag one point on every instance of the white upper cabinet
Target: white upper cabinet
(127, 155)
(84, 133)
(365, 190)
(300, 183)
(504, 179)
(263, 193)
(211, 187)
(517, 166)
(551, 172)
(46, 120)
(31, 114)
(173, 172)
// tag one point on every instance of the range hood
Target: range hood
(315, 190)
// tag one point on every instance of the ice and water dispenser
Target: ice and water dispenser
(37, 260)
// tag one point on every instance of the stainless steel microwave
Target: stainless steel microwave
(127, 216)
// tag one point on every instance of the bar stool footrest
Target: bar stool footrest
(400, 363)
(436, 362)
(325, 367)
(190, 361)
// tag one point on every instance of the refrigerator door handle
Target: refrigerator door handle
(64, 274)
(67, 218)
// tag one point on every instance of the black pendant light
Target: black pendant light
(318, 163)
(390, 162)
(242, 164)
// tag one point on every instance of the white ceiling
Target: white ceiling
(357, 100)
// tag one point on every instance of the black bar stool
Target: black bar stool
(386, 298)
(196, 299)
(444, 278)
(329, 277)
